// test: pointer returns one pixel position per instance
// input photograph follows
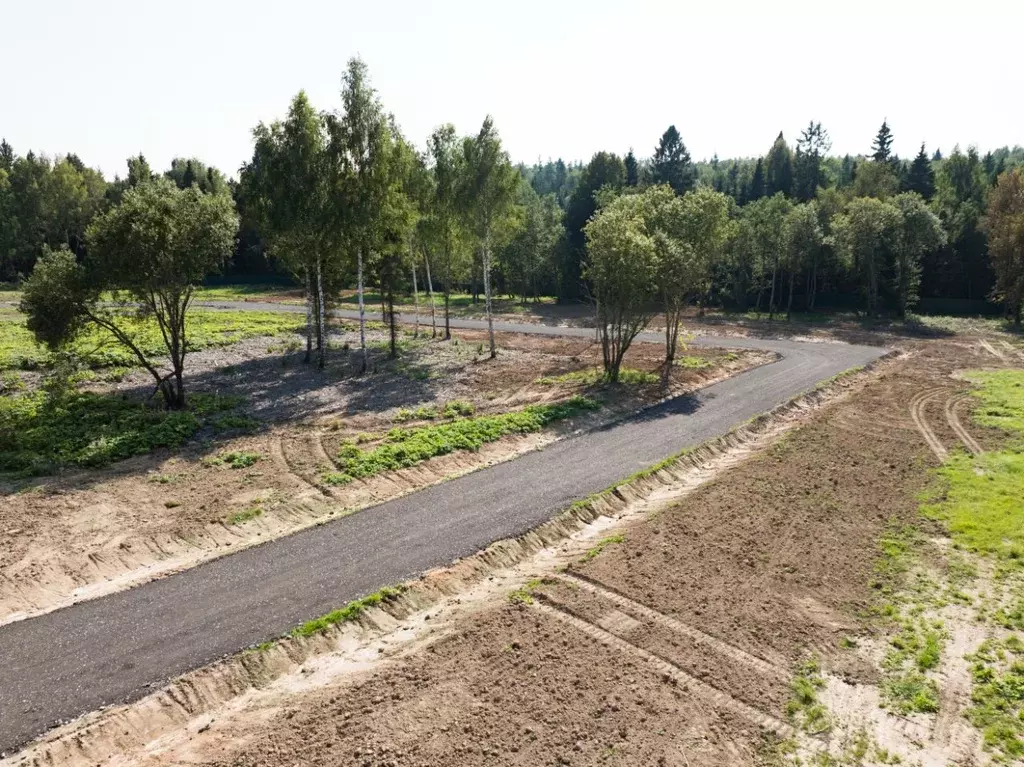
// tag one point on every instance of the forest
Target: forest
(335, 198)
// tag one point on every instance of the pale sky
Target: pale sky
(110, 78)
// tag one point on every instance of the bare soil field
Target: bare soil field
(83, 533)
(740, 624)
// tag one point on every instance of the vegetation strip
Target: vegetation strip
(403, 448)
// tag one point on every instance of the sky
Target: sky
(110, 78)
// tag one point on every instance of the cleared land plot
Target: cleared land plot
(260, 452)
(762, 619)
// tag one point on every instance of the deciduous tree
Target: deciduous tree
(1004, 222)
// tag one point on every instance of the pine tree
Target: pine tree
(632, 169)
(920, 177)
(733, 183)
(671, 163)
(779, 168)
(937, 156)
(811, 148)
(6, 155)
(847, 170)
(757, 183)
(882, 147)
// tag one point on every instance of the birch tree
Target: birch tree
(287, 185)
(488, 191)
(446, 160)
(361, 140)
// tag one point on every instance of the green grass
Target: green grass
(695, 363)
(593, 376)
(524, 594)
(980, 497)
(234, 460)
(349, 612)
(453, 409)
(243, 292)
(98, 348)
(40, 435)
(403, 448)
(245, 515)
(601, 546)
(997, 698)
(803, 708)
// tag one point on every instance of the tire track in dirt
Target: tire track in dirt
(917, 405)
(670, 670)
(954, 422)
(636, 608)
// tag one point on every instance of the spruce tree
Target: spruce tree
(632, 169)
(671, 163)
(920, 177)
(937, 156)
(779, 168)
(882, 147)
(757, 183)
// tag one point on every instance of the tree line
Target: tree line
(340, 197)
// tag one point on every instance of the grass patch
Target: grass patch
(236, 459)
(349, 612)
(594, 376)
(40, 435)
(403, 448)
(695, 363)
(997, 699)
(803, 708)
(245, 515)
(601, 546)
(524, 594)
(206, 329)
(980, 496)
(453, 409)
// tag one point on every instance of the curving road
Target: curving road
(118, 648)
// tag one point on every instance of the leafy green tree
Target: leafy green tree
(689, 233)
(811, 148)
(531, 252)
(6, 156)
(881, 147)
(632, 169)
(920, 176)
(288, 184)
(863, 235)
(605, 171)
(803, 244)
(622, 268)
(361, 144)
(918, 231)
(671, 163)
(487, 192)
(446, 157)
(153, 250)
(768, 219)
(1004, 223)
(875, 179)
(779, 168)
(961, 188)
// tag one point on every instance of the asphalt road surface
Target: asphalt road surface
(120, 647)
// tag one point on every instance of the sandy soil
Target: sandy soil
(83, 534)
(672, 646)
